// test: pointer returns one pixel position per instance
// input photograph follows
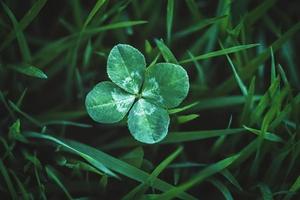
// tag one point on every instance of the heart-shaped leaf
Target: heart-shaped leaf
(126, 67)
(166, 84)
(107, 103)
(147, 122)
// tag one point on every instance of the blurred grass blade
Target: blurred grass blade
(87, 54)
(246, 152)
(186, 118)
(84, 153)
(296, 185)
(52, 174)
(31, 119)
(19, 34)
(11, 113)
(79, 165)
(8, 181)
(222, 188)
(237, 77)
(184, 108)
(164, 164)
(285, 112)
(289, 57)
(199, 177)
(228, 175)
(176, 137)
(198, 26)
(25, 21)
(138, 191)
(220, 102)
(33, 159)
(264, 102)
(112, 26)
(268, 136)
(258, 12)
(8, 151)
(201, 76)
(283, 75)
(74, 51)
(67, 123)
(31, 71)
(266, 192)
(93, 12)
(95, 156)
(21, 98)
(62, 115)
(166, 52)
(248, 106)
(273, 68)
(79, 83)
(25, 194)
(220, 52)
(193, 7)
(247, 72)
(134, 157)
(56, 48)
(293, 189)
(170, 14)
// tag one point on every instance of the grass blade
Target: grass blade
(198, 26)
(199, 177)
(31, 119)
(8, 181)
(186, 118)
(248, 106)
(258, 12)
(134, 157)
(19, 34)
(21, 186)
(112, 26)
(52, 174)
(193, 7)
(170, 14)
(25, 21)
(268, 136)
(31, 71)
(222, 188)
(294, 188)
(220, 52)
(177, 137)
(266, 192)
(140, 189)
(87, 54)
(2, 98)
(201, 76)
(236, 76)
(93, 12)
(228, 175)
(95, 156)
(166, 52)
(66, 123)
(219, 102)
(182, 109)
(253, 65)
(273, 69)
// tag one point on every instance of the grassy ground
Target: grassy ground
(236, 136)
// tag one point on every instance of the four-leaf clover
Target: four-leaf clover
(146, 93)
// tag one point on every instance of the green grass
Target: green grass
(236, 135)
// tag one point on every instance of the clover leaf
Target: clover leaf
(146, 93)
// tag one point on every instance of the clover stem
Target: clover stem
(138, 96)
